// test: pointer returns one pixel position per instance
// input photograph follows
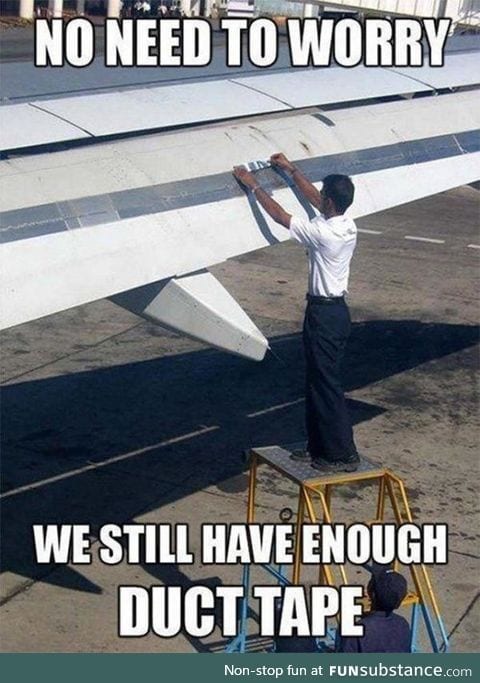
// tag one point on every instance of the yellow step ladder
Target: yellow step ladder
(315, 491)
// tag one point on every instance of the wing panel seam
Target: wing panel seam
(262, 92)
(61, 118)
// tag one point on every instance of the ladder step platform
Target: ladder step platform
(280, 458)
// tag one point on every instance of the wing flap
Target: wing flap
(335, 85)
(24, 125)
(458, 70)
(163, 107)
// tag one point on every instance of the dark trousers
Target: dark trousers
(326, 330)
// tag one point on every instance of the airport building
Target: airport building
(28, 9)
(465, 14)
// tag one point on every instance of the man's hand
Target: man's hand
(272, 207)
(282, 162)
(245, 177)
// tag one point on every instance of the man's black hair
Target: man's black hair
(387, 590)
(340, 189)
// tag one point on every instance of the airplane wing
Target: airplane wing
(129, 195)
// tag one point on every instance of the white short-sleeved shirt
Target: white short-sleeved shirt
(331, 243)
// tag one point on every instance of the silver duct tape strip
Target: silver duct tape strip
(95, 210)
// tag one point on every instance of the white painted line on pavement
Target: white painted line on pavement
(424, 239)
(369, 232)
(473, 246)
(109, 461)
(277, 407)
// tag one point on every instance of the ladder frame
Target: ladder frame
(320, 489)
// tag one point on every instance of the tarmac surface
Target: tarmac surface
(109, 419)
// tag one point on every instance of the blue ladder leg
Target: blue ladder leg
(238, 643)
(430, 629)
(414, 628)
(244, 614)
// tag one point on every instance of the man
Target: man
(330, 238)
(383, 631)
(142, 9)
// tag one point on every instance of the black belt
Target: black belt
(324, 299)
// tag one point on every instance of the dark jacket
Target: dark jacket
(382, 633)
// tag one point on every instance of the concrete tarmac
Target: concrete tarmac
(21, 80)
(107, 418)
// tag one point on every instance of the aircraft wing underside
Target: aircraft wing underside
(141, 219)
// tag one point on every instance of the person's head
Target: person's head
(386, 589)
(337, 194)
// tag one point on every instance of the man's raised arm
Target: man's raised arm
(272, 207)
(308, 190)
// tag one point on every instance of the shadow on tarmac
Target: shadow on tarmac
(70, 426)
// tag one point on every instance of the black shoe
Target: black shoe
(301, 455)
(350, 465)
